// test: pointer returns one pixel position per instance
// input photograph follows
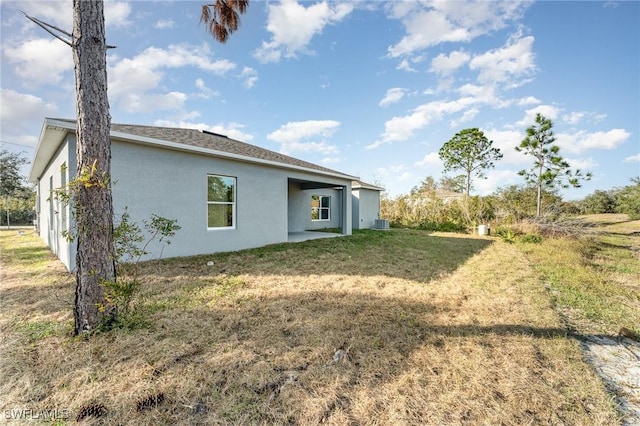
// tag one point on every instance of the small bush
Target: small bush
(530, 238)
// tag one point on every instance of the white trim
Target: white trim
(320, 208)
(234, 204)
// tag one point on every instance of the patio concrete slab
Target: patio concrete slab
(296, 237)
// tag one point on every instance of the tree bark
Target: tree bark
(95, 259)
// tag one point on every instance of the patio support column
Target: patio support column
(346, 210)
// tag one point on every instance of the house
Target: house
(226, 195)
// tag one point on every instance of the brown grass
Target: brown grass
(398, 327)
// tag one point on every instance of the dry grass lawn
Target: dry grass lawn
(389, 328)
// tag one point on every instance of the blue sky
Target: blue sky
(371, 89)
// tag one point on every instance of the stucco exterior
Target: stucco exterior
(365, 205)
(271, 200)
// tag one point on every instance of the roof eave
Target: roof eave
(207, 151)
(51, 137)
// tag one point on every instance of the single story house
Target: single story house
(226, 195)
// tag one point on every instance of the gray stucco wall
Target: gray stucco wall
(53, 216)
(173, 184)
(300, 208)
(366, 208)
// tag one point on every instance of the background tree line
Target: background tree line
(447, 205)
(17, 196)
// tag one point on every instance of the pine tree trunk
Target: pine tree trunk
(95, 256)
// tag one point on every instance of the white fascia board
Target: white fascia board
(51, 136)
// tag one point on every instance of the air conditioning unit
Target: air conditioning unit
(381, 224)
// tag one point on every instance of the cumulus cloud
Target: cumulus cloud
(60, 13)
(506, 141)
(393, 95)
(529, 100)
(20, 112)
(295, 136)
(548, 111)
(231, 129)
(402, 128)
(430, 23)
(495, 179)
(40, 61)
(430, 160)
(447, 64)
(131, 79)
(508, 64)
(574, 117)
(250, 77)
(405, 66)
(292, 26)
(581, 141)
(581, 163)
(204, 91)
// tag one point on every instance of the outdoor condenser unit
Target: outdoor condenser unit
(381, 224)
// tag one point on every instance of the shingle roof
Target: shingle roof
(211, 141)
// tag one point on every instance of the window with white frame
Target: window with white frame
(320, 207)
(221, 202)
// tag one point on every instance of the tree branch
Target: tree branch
(48, 28)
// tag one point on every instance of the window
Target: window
(221, 201)
(320, 207)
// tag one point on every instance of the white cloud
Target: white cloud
(293, 25)
(445, 65)
(548, 111)
(581, 141)
(574, 117)
(515, 60)
(496, 179)
(404, 66)
(403, 127)
(632, 158)
(164, 24)
(431, 23)
(116, 13)
(250, 77)
(581, 163)
(430, 160)
(20, 112)
(149, 102)
(506, 141)
(466, 117)
(205, 92)
(60, 12)
(232, 129)
(130, 80)
(293, 136)
(40, 61)
(393, 95)
(529, 100)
